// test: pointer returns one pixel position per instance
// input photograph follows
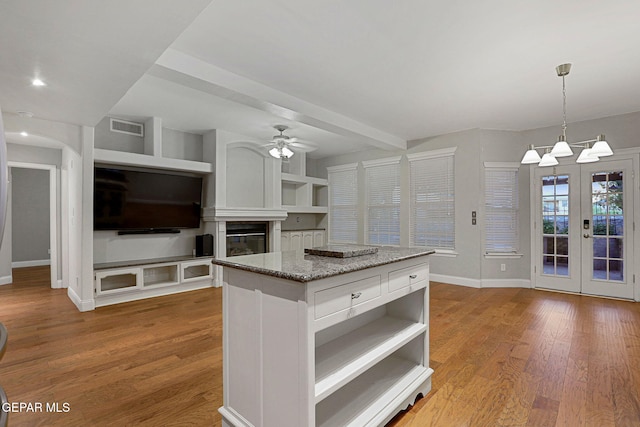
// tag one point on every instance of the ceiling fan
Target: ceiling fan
(282, 145)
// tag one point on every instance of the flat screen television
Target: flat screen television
(133, 200)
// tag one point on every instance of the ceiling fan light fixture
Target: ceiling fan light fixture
(275, 152)
(286, 153)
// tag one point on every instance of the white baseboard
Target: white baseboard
(86, 305)
(506, 283)
(57, 284)
(482, 283)
(455, 280)
(33, 263)
(6, 280)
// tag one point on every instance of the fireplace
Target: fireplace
(246, 238)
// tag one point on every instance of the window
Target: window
(383, 201)
(343, 204)
(432, 199)
(501, 208)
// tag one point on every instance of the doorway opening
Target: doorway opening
(34, 218)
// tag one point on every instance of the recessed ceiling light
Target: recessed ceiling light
(38, 82)
(27, 114)
(23, 133)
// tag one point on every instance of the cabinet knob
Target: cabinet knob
(356, 295)
(413, 276)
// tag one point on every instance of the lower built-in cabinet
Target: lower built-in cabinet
(350, 350)
(121, 284)
(301, 239)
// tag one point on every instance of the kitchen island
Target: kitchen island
(312, 340)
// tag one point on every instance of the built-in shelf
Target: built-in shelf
(341, 360)
(304, 194)
(368, 399)
(120, 284)
(144, 160)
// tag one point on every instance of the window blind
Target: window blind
(501, 210)
(432, 201)
(383, 202)
(343, 205)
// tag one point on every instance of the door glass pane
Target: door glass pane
(608, 220)
(555, 225)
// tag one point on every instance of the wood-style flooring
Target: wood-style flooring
(511, 357)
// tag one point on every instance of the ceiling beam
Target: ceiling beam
(194, 73)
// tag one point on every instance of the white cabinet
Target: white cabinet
(307, 239)
(301, 239)
(295, 240)
(121, 284)
(318, 238)
(348, 350)
(285, 241)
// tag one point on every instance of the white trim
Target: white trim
(86, 305)
(33, 263)
(6, 280)
(455, 280)
(382, 162)
(252, 146)
(482, 283)
(506, 283)
(502, 165)
(503, 255)
(446, 253)
(53, 212)
(250, 214)
(342, 168)
(444, 152)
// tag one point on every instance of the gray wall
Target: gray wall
(181, 145)
(117, 141)
(245, 178)
(30, 214)
(474, 147)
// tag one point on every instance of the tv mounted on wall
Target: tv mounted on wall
(134, 201)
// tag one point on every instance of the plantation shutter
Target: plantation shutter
(343, 204)
(501, 209)
(383, 201)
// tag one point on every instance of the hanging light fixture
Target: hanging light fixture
(562, 148)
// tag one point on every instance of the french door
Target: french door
(583, 228)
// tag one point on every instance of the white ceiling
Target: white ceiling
(345, 75)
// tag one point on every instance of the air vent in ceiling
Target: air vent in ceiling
(130, 128)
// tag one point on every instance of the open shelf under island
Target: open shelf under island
(323, 341)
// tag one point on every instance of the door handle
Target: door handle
(586, 236)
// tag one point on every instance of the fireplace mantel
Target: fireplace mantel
(217, 214)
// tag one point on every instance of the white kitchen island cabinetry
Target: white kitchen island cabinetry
(317, 341)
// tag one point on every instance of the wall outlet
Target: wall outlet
(503, 267)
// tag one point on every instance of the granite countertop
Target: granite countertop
(301, 267)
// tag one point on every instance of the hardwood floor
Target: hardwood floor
(501, 357)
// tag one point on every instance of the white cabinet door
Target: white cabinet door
(285, 241)
(295, 240)
(318, 239)
(307, 239)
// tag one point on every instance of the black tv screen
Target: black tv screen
(134, 200)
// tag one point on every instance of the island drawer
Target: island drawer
(333, 300)
(399, 279)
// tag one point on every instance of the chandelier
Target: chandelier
(562, 148)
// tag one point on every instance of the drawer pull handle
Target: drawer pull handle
(356, 295)
(413, 276)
